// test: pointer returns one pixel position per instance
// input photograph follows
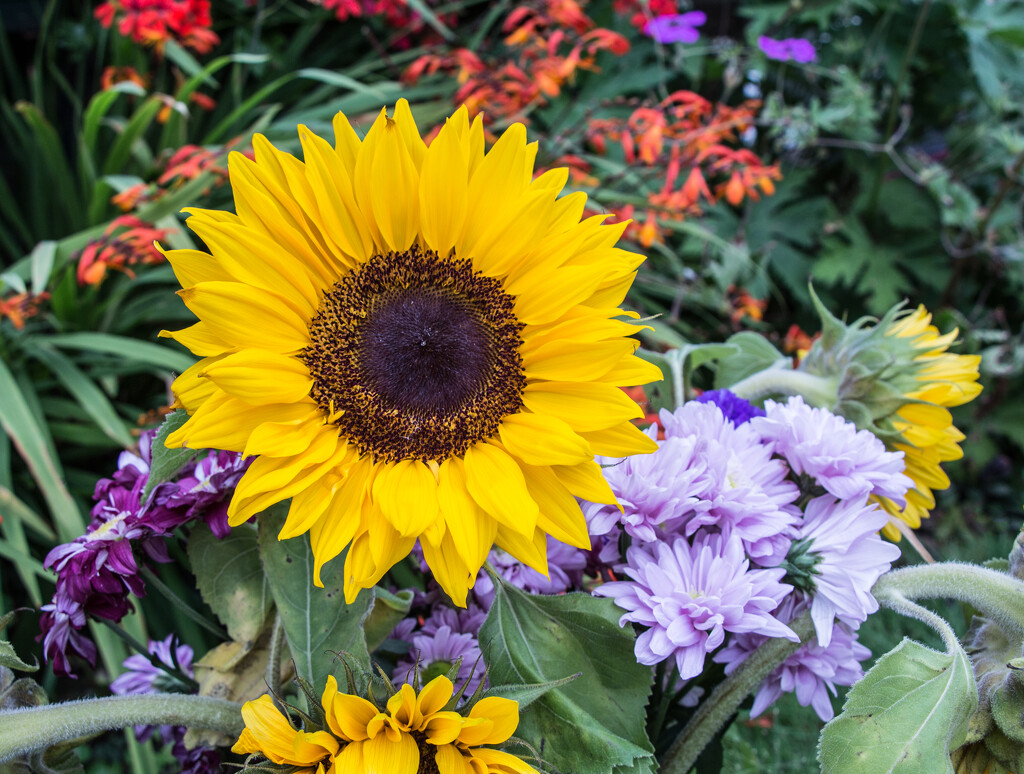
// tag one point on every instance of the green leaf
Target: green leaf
(98, 107)
(230, 577)
(905, 716)
(30, 438)
(143, 352)
(597, 721)
(90, 397)
(132, 131)
(527, 694)
(752, 353)
(317, 622)
(388, 609)
(167, 462)
(8, 658)
(41, 259)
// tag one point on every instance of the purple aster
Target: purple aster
(796, 49)
(676, 27)
(464, 620)
(61, 625)
(812, 672)
(689, 596)
(435, 653)
(849, 463)
(565, 571)
(844, 534)
(736, 409)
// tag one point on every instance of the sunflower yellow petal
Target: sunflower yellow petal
(233, 312)
(201, 340)
(410, 132)
(194, 266)
(542, 294)
(406, 494)
(586, 482)
(497, 484)
(570, 361)
(395, 194)
(449, 569)
(583, 406)
(259, 377)
(542, 440)
(443, 192)
(531, 551)
(621, 440)
(285, 438)
(346, 715)
(449, 760)
(223, 422)
(503, 713)
(560, 514)
(499, 762)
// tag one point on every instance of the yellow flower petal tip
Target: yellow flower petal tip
(416, 343)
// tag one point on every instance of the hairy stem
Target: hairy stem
(816, 390)
(723, 702)
(25, 731)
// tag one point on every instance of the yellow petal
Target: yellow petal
(499, 762)
(504, 713)
(201, 340)
(449, 760)
(622, 440)
(234, 312)
(395, 191)
(586, 482)
(531, 551)
(584, 406)
(571, 361)
(449, 569)
(406, 494)
(194, 266)
(498, 486)
(347, 715)
(443, 195)
(472, 531)
(560, 514)
(259, 377)
(542, 440)
(543, 294)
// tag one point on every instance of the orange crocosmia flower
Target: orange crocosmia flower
(19, 307)
(115, 75)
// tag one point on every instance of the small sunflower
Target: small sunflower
(416, 343)
(413, 734)
(897, 379)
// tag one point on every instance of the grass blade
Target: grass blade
(31, 440)
(142, 352)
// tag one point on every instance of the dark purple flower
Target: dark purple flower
(206, 490)
(812, 672)
(143, 677)
(689, 596)
(795, 49)
(676, 27)
(736, 409)
(61, 625)
(195, 760)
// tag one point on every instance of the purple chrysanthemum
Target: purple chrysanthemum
(436, 652)
(61, 625)
(143, 677)
(844, 534)
(676, 27)
(796, 49)
(206, 490)
(812, 672)
(689, 596)
(849, 463)
(736, 409)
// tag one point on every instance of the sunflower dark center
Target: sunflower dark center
(428, 753)
(416, 357)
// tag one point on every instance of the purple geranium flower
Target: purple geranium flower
(736, 409)
(676, 27)
(812, 672)
(844, 534)
(689, 596)
(849, 463)
(796, 49)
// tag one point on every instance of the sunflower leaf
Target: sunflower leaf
(167, 462)
(8, 658)
(317, 622)
(905, 715)
(231, 579)
(593, 723)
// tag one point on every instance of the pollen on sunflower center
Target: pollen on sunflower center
(416, 357)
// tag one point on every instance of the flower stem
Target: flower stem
(24, 731)
(723, 702)
(818, 391)
(995, 595)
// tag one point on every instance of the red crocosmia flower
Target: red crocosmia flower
(115, 75)
(126, 242)
(20, 306)
(154, 22)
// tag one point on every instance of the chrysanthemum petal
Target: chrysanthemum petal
(496, 482)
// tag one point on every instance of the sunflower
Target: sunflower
(929, 438)
(896, 379)
(415, 343)
(413, 734)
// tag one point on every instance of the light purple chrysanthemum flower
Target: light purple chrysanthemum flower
(796, 49)
(844, 534)
(849, 463)
(689, 596)
(143, 677)
(464, 620)
(61, 625)
(676, 27)
(653, 489)
(749, 492)
(812, 672)
(435, 653)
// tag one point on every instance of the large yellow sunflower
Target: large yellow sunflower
(412, 734)
(416, 343)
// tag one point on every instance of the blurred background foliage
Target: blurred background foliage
(889, 166)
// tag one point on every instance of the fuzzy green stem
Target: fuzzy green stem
(721, 705)
(24, 731)
(818, 391)
(995, 595)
